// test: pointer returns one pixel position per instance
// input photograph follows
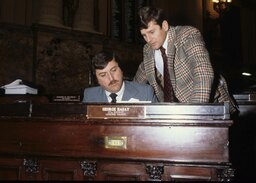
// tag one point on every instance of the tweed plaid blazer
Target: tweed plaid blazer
(191, 72)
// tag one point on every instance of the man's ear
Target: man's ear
(165, 25)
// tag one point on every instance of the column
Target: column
(84, 18)
(51, 12)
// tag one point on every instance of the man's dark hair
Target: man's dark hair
(147, 14)
(101, 60)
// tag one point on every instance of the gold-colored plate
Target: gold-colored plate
(116, 142)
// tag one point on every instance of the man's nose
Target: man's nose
(110, 76)
(148, 38)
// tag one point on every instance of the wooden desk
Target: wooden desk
(58, 142)
(243, 139)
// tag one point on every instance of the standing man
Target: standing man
(112, 86)
(188, 76)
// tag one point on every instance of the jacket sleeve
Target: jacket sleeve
(140, 75)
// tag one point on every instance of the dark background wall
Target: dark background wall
(56, 57)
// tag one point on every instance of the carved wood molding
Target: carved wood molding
(155, 172)
(226, 175)
(31, 165)
(89, 168)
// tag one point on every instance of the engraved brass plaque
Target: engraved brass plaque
(115, 111)
(116, 142)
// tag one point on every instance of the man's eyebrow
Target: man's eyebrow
(114, 67)
(102, 72)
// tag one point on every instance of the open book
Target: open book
(18, 87)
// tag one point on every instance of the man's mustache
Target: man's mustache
(113, 82)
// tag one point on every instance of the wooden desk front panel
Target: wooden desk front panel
(75, 149)
(82, 139)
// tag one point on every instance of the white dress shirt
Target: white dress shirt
(119, 94)
(159, 59)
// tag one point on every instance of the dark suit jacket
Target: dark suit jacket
(142, 92)
(191, 72)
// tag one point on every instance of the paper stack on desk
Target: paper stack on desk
(18, 87)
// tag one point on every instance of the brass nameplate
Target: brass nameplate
(65, 98)
(115, 111)
(116, 142)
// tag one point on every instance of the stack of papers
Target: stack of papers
(17, 87)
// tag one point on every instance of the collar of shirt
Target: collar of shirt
(119, 94)
(158, 57)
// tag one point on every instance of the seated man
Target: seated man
(112, 86)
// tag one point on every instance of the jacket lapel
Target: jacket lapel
(102, 95)
(171, 55)
(149, 64)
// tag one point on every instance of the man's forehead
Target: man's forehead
(109, 66)
(151, 25)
